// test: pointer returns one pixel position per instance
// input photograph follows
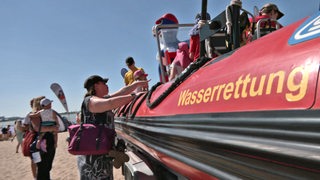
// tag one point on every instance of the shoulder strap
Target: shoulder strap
(89, 117)
(82, 113)
(86, 115)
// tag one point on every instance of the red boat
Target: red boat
(251, 113)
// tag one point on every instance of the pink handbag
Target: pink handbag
(90, 139)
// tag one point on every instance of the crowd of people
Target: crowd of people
(7, 132)
(98, 102)
(42, 120)
(172, 54)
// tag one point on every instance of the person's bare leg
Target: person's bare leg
(17, 148)
(34, 169)
(19, 145)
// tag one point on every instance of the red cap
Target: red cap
(167, 19)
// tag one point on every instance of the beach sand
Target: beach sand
(15, 166)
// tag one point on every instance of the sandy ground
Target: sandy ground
(15, 166)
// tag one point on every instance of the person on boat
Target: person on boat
(168, 37)
(271, 11)
(181, 61)
(168, 42)
(268, 11)
(129, 76)
(194, 50)
(97, 107)
(246, 34)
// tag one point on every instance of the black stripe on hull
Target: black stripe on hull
(254, 145)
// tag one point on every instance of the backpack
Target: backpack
(29, 137)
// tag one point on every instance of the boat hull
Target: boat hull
(275, 144)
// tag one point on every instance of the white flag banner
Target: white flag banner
(56, 88)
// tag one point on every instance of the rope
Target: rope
(183, 76)
(236, 3)
(228, 20)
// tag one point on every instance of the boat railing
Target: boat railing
(263, 31)
(158, 35)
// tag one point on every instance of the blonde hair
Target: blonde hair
(36, 103)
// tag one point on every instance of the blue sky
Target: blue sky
(65, 41)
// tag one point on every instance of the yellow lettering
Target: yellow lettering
(200, 96)
(252, 92)
(207, 95)
(214, 91)
(193, 97)
(188, 98)
(280, 75)
(236, 91)
(244, 88)
(182, 97)
(219, 92)
(228, 91)
(252, 86)
(300, 86)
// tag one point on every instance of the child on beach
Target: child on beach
(19, 132)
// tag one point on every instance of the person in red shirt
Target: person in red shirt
(194, 50)
(268, 11)
(181, 61)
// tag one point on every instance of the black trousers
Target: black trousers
(44, 167)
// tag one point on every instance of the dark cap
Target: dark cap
(92, 80)
(269, 7)
(198, 17)
(129, 61)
